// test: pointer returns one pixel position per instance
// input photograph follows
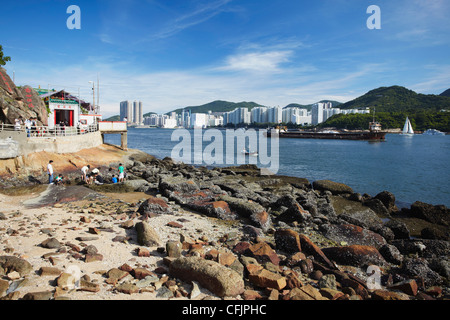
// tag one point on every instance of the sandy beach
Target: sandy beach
(27, 225)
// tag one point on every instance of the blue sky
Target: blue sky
(175, 53)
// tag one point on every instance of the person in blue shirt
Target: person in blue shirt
(114, 179)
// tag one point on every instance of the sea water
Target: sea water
(413, 168)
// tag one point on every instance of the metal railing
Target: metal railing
(47, 132)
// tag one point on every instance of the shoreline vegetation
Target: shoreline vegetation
(179, 232)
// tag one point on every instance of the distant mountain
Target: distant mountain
(309, 106)
(446, 93)
(113, 118)
(397, 98)
(219, 106)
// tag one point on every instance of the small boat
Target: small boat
(407, 128)
(434, 132)
(248, 153)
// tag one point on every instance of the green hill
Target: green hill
(398, 99)
(113, 118)
(393, 105)
(219, 106)
(446, 93)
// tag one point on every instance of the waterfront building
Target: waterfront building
(64, 108)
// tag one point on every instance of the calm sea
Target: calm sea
(412, 168)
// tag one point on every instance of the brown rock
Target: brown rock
(311, 248)
(251, 295)
(264, 253)
(226, 258)
(41, 295)
(142, 252)
(287, 240)
(408, 286)
(114, 275)
(386, 295)
(267, 279)
(49, 271)
(89, 286)
(93, 257)
(141, 273)
(174, 224)
(128, 288)
(305, 293)
(331, 293)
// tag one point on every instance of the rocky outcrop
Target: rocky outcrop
(21, 102)
(292, 241)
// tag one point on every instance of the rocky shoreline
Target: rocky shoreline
(226, 233)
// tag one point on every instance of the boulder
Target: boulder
(388, 199)
(263, 253)
(287, 240)
(251, 210)
(352, 235)
(11, 263)
(23, 102)
(435, 214)
(333, 187)
(154, 205)
(418, 267)
(311, 248)
(215, 277)
(146, 235)
(355, 255)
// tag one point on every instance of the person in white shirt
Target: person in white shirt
(50, 172)
(84, 171)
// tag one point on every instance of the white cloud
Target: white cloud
(262, 62)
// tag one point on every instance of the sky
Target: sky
(177, 53)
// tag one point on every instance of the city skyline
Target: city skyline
(185, 53)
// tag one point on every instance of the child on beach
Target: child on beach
(59, 179)
(114, 179)
(121, 172)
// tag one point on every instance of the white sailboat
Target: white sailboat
(407, 128)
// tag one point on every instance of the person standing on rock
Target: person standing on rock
(121, 172)
(84, 171)
(50, 172)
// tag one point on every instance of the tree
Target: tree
(3, 59)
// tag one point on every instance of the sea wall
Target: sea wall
(15, 144)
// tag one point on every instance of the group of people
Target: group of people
(30, 126)
(87, 177)
(95, 177)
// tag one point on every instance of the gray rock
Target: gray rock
(418, 267)
(211, 275)
(146, 235)
(333, 187)
(10, 263)
(51, 243)
(328, 281)
(391, 254)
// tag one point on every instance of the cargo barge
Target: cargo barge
(373, 134)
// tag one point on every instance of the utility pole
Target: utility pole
(93, 95)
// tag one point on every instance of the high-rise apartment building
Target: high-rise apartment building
(132, 112)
